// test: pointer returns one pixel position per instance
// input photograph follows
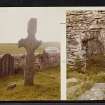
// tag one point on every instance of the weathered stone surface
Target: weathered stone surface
(7, 65)
(99, 86)
(72, 80)
(97, 92)
(11, 86)
(87, 29)
(30, 44)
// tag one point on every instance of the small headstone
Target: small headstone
(11, 86)
(7, 65)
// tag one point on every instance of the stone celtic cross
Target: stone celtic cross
(30, 44)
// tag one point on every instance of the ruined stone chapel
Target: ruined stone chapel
(85, 34)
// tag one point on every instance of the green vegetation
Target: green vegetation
(95, 73)
(46, 86)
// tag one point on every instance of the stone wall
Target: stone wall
(15, 63)
(82, 26)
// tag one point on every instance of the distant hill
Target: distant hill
(13, 47)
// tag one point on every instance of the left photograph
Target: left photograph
(29, 54)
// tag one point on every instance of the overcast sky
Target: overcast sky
(13, 23)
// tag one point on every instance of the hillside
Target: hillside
(13, 47)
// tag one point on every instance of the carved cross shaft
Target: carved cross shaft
(30, 44)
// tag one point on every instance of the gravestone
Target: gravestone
(30, 44)
(7, 65)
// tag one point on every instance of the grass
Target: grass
(12, 48)
(93, 75)
(46, 86)
(46, 82)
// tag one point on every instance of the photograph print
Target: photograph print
(29, 54)
(85, 47)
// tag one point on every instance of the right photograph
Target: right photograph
(85, 48)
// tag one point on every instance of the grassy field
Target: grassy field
(46, 86)
(12, 48)
(85, 80)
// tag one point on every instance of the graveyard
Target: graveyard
(43, 80)
(85, 34)
(30, 69)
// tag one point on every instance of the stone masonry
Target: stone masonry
(85, 34)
